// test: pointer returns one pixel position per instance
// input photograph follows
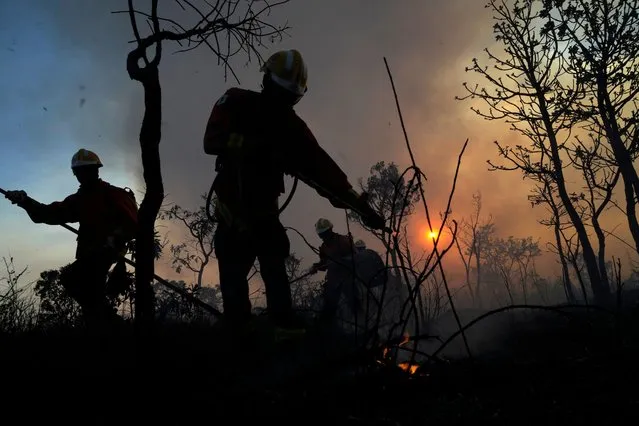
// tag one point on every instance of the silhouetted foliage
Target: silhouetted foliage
(602, 40)
(394, 198)
(470, 241)
(538, 86)
(196, 251)
(389, 193)
(16, 307)
(57, 308)
(172, 307)
(305, 290)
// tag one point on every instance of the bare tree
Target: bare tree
(175, 307)
(530, 89)
(470, 241)
(544, 196)
(306, 292)
(603, 40)
(17, 312)
(513, 260)
(600, 177)
(194, 253)
(226, 27)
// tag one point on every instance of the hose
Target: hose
(288, 200)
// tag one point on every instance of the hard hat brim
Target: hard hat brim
(86, 164)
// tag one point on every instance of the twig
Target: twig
(412, 157)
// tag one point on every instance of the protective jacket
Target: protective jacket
(335, 249)
(256, 142)
(101, 223)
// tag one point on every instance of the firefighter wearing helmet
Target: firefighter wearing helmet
(336, 258)
(257, 138)
(334, 246)
(102, 235)
(84, 157)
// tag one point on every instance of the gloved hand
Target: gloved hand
(359, 203)
(16, 197)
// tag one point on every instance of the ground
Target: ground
(582, 370)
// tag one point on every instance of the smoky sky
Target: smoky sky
(73, 63)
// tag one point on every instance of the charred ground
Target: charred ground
(578, 368)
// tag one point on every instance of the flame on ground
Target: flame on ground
(386, 350)
(407, 366)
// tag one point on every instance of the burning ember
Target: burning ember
(407, 366)
(411, 368)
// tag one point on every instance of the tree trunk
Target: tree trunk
(580, 279)
(200, 274)
(565, 271)
(622, 157)
(599, 291)
(478, 269)
(150, 135)
(601, 255)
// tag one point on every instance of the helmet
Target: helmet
(287, 69)
(84, 157)
(323, 225)
(360, 244)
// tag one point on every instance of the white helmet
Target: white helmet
(84, 157)
(323, 225)
(287, 69)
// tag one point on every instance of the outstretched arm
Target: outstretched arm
(56, 213)
(312, 164)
